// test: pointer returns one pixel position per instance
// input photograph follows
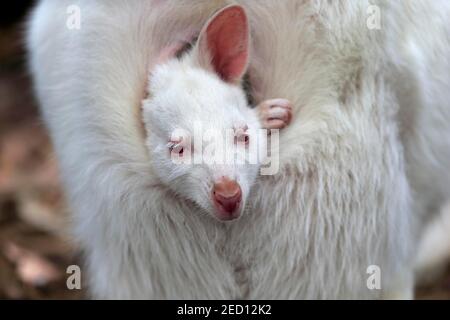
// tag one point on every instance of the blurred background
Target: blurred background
(35, 249)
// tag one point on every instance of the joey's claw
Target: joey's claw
(275, 113)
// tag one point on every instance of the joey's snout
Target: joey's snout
(227, 197)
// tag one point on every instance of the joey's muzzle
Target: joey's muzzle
(227, 198)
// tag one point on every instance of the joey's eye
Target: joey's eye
(179, 150)
(241, 137)
(176, 148)
(244, 138)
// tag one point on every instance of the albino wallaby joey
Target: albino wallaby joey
(202, 89)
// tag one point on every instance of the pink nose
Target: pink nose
(227, 197)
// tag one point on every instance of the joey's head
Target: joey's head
(202, 136)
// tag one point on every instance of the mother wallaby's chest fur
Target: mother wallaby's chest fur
(341, 203)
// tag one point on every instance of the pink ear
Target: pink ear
(225, 41)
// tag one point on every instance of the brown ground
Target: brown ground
(34, 248)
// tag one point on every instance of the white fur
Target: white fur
(364, 159)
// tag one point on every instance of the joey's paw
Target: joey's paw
(275, 113)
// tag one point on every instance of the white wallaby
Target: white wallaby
(363, 160)
(201, 91)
